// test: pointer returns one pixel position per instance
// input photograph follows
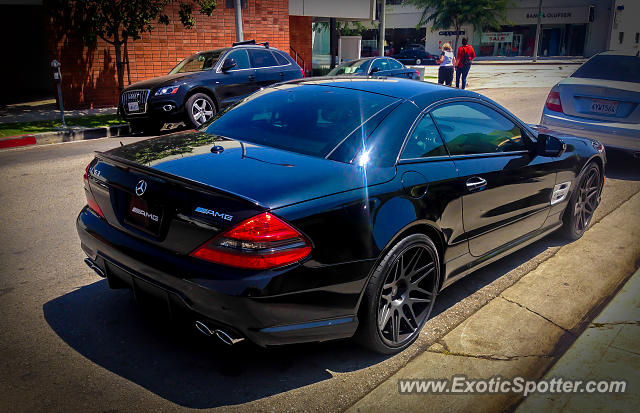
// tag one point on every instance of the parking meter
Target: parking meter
(57, 76)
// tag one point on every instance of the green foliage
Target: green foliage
(22, 128)
(451, 14)
(344, 28)
(118, 21)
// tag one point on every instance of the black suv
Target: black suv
(203, 84)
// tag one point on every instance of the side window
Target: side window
(280, 59)
(395, 65)
(241, 58)
(424, 141)
(470, 128)
(380, 64)
(261, 58)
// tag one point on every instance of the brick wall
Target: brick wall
(300, 38)
(89, 74)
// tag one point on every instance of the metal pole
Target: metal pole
(382, 29)
(237, 6)
(537, 43)
(333, 41)
(64, 125)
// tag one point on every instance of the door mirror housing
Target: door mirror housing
(229, 64)
(375, 69)
(550, 145)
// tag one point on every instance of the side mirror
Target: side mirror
(229, 64)
(550, 145)
(375, 69)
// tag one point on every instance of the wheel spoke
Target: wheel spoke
(429, 271)
(395, 326)
(384, 316)
(208, 113)
(410, 318)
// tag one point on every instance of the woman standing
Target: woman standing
(465, 55)
(447, 62)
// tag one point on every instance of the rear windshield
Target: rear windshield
(308, 119)
(198, 62)
(356, 66)
(611, 67)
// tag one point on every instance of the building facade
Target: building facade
(89, 73)
(569, 28)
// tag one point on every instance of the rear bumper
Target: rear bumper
(227, 300)
(624, 136)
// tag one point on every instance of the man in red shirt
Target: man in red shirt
(465, 55)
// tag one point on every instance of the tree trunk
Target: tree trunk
(119, 67)
(455, 48)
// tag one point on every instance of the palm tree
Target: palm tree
(453, 14)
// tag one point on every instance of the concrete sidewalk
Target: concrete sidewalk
(45, 109)
(607, 350)
(528, 326)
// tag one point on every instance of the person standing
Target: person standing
(465, 55)
(447, 62)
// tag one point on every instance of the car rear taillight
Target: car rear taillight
(258, 243)
(553, 101)
(91, 201)
(418, 73)
(302, 71)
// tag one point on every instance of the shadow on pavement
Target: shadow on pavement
(109, 328)
(622, 165)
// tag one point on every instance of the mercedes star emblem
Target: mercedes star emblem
(141, 187)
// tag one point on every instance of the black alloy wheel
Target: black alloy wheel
(584, 202)
(400, 295)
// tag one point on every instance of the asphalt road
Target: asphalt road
(68, 343)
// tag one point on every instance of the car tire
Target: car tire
(585, 198)
(418, 61)
(145, 127)
(406, 281)
(199, 109)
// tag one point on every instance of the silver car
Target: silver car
(600, 100)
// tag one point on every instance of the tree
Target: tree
(119, 21)
(453, 14)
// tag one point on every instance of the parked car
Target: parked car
(599, 100)
(205, 83)
(416, 57)
(325, 208)
(374, 66)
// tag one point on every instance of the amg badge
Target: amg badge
(215, 214)
(145, 214)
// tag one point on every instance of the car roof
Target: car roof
(421, 93)
(240, 46)
(617, 53)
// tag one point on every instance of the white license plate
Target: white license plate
(134, 107)
(604, 106)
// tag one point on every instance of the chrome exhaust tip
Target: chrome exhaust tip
(227, 339)
(94, 267)
(204, 329)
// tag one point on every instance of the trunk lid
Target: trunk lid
(176, 192)
(601, 99)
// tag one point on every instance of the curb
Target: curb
(540, 316)
(64, 136)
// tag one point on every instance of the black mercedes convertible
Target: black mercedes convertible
(327, 208)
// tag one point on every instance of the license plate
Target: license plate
(143, 215)
(134, 107)
(604, 106)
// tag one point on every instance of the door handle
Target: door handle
(476, 183)
(252, 77)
